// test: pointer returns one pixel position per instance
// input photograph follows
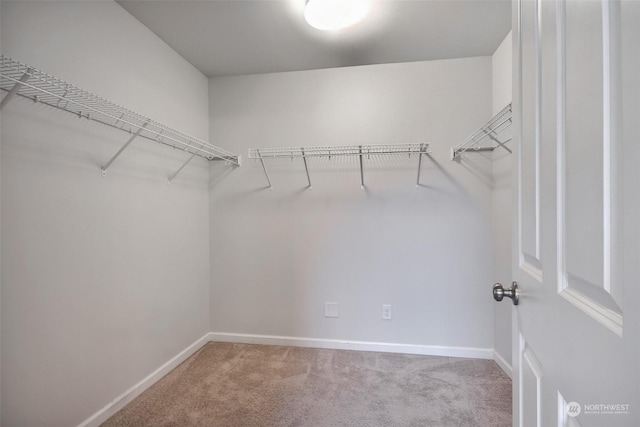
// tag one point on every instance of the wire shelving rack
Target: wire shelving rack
(359, 151)
(23, 80)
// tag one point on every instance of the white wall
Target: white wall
(103, 279)
(277, 256)
(502, 201)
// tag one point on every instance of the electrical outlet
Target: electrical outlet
(331, 309)
(386, 311)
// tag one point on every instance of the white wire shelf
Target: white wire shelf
(361, 151)
(486, 137)
(20, 79)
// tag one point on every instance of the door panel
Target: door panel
(576, 332)
(529, 224)
(583, 140)
(587, 144)
(531, 386)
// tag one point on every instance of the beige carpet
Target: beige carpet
(236, 385)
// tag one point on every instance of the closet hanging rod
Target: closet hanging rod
(490, 130)
(360, 151)
(20, 79)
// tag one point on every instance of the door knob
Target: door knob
(499, 292)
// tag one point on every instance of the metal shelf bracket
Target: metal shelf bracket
(124, 147)
(423, 149)
(176, 173)
(306, 168)
(264, 168)
(16, 87)
(361, 170)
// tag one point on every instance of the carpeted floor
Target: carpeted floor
(238, 385)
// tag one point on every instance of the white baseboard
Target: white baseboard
(126, 397)
(430, 350)
(503, 364)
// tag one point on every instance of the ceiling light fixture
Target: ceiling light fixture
(331, 15)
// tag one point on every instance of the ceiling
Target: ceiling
(230, 37)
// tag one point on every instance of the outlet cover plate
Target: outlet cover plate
(331, 309)
(386, 311)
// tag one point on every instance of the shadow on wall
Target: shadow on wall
(87, 146)
(218, 171)
(484, 176)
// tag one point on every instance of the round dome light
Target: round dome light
(331, 15)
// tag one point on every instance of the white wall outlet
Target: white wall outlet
(331, 309)
(386, 311)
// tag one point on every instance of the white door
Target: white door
(576, 357)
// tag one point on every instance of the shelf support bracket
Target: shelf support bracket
(172, 177)
(361, 170)
(14, 90)
(419, 164)
(500, 143)
(265, 169)
(124, 147)
(306, 168)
